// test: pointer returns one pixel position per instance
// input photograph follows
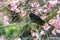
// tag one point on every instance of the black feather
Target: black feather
(36, 19)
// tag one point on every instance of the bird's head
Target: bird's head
(31, 14)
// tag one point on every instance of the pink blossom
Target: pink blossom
(18, 39)
(35, 35)
(57, 23)
(2, 4)
(31, 9)
(40, 11)
(52, 21)
(49, 9)
(44, 1)
(58, 2)
(53, 3)
(18, 3)
(36, 12)
(23, 13)
(5, 23)
(46, 26)
(17, 10)
(13, 5)
(29, 3)
(1, 14)
(58, 30)
(2, 39)
(45, 10)
(58, 11)
(44, 17)
(13, 8)
(42, 33)
(5, 18)
(35, 5)
(54, 32)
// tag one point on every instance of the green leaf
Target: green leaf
(51, 15)
(58, 5)
(21, 28)
(9, 30)
(1, 21)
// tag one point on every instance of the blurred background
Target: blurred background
(29, 20)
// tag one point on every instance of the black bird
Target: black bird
(39, 21)
(36, 19)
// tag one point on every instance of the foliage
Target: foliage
(24, 26)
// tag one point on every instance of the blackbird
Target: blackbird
(39, 21)
(36, 19)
